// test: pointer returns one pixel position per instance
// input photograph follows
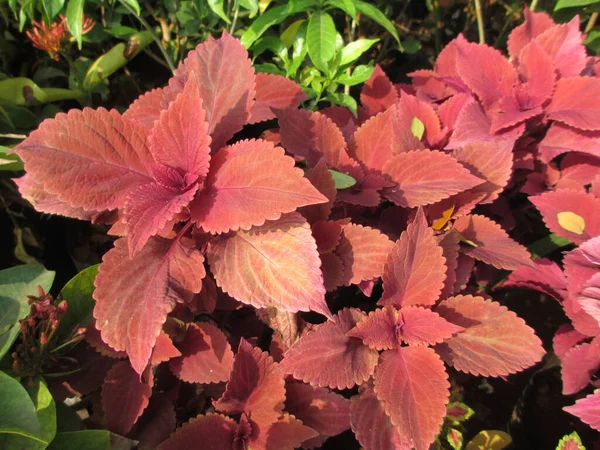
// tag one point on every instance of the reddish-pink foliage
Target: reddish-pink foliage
(587, 409)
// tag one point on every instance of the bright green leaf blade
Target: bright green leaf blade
(17, 412)
(75, 19)
(411, 46)
(374, 14)
(250, 5)
(320, 39)
(593, 41)
(417, 128)
(121, 32)
(299, 49)
(52, 7)
(287, 37)
(347, 6)
(85, 439)
(354, 50)
(360, 74)
(343, 100)
(16, 284)
(562, 4)
(78, 294)
(342, 180)
(570, 442)
(133, 4)
(546, 245)
(9, 162)
(216, 6)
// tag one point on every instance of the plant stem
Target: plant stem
(591, 23)
(479, 16)
(235, 17)
(533, 5)
(147, 26)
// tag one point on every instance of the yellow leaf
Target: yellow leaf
(490, 440)
(418, 128)
(439, 223)
(571, 222)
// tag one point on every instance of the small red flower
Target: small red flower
(51, 37)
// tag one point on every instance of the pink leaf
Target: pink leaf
(134, 296)
(378, 93)
(149, 208)
(180, 138)
(579, 206)
(535, 24)
(287, 433)
(163, 350)
(421, 326)
(565, 338)
(255, 386)
(363, 251)
(411, 107)
(317, 408)
(241, 193)
(124, 397)
(147, 107)
(424, 177)
(538, 75)
(226, 80)
(590, 297)
(578, 365)
(371, 425)
(493, 246)
(90, 159)
(415, 269)
(564, 44)
(206, 356)
(274, 91)
(543, 276)
(587, 409)
(495, 342)
(332, 267)
(275, 264)
(449, 111)
(321, 179)
(345, 362)
(574, 103)
(449, 242)
(561, 139)
(212, 431)
(378, 330)
(412, 384)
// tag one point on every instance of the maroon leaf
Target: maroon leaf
(287, 433)
(206, 356)
(378, 93)
(573, 103)
(157, 422)
(212, 431)
(90, 159)
(495, 342)
(255, 386)
(424, 177)
(274, 91)
(287, 325)
(415, 269)
(333, 271)
(587, 409)
(327, 235)
(493, 246)
(322, 179)
(412, 384)
(240, 193)
(124, 397)
(578, 365)
(134, 296)
(276, 264)
(163, 350)
(449, 242)
(345, 362)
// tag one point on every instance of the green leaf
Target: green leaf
(299, 49)
(342, 180)
(562, 4)
(67, 419)
(216, 6)
(52, 8)
(320, 39)
(360, 74)
(9, 162)
(353, 50)
(347, 6)
(250, 5)
(417, 128)
(85, 439)
(18, 416)
(411, 46)
(290, 33)
(75, 19)
(78, 294)
(343, 100)
(16, 284)
(133, 4)
(268, 68)
(121, 32)
(271, 17)
(546, 245)
(272, 43)
(593, 41)
(570, 442)
(374, 14)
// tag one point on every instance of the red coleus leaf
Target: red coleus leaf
(424, 177)
(411, 107)
(415, 269)
(343, 118)
(212, 431)
(157, 422)
(274, 92)
(163, 350)
(275, 264)
(332, 267)
(488, 162)
(578, 365)
(206, 356)
(240, 193)
(587, 409)
(572, 214)
(327, 235)
(449, 242)
(543, 276)
(565, 338)
(576, 171)
(89, 159)
(318, 408)
(385, 328)
(589, 299)
(320, 177)
(363, 251)
(535, 24)
(311, 135)
(92, 337)
(561, 139)
(287, 325)
(371, 425)
(146, 108)
(492, 244)
(134, 296)
(412, 384)
(227, 86)
(378, 93)
(327, 357)
(495, 342)
(287, 433)
(255, 386)
(124, 397)
(538, 75)
(573, 103)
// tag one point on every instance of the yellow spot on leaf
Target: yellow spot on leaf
(571, 222)
(439, 223)
(417, 128)
(489, 440)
